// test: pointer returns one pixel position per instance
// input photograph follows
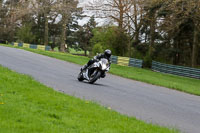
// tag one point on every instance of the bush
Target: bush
(147, 61)
(97, 48)
(136, 54)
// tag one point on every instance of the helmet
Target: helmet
(107, 53)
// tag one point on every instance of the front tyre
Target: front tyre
(94, 77)
(80, 76)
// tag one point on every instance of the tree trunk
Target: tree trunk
(40, 33)
(54, 43)
(46, 30)
(129, 40)
(63, 33)
(152, 35)
(129, 48)
(176, 58)
(137, 31)
(121, 15)
(195, 48)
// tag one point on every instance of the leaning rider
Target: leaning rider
(106, 55)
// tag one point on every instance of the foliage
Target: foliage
(111, 38)
(24, 34)
(97, 48)
(85, 34)
(167, 30)
(135, 53)
(72, 28)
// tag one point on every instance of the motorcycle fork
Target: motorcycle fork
(91, 71)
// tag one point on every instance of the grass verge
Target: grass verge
(27, 106)
(73, 51)
(184, 84)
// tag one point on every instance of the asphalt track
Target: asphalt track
(147, 102)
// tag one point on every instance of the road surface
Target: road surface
(147, 102)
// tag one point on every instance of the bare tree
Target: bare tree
(116, 10)
(11, 15)
(44, 8)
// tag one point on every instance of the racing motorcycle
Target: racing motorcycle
(95, 71)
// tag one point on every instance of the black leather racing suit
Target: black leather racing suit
(98, 57)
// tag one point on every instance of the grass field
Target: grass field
(73, 51)
(26, 106)
(184, 84)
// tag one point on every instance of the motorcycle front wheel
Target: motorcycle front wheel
(96, 75)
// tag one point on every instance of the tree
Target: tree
(85, 34)
(25, 34)
(182, 24)
(11, 15)
(152, 9)
(66, 9)
(111, 38)
(136, 17)
(116, 10)
(43, 9)
(97, 48)
(72, 28)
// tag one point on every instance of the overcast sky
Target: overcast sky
(82, 3)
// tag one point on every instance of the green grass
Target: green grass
(27, 106)
(184, 84)
(73, 51)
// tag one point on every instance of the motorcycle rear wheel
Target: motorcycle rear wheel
(80, 76)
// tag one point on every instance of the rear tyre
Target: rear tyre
(95, 77)
(80, 76)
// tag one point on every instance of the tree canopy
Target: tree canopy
(161, 30)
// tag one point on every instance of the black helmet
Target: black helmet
(107, 53)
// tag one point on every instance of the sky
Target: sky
(83, 3)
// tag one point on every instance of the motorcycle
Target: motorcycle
(95, 71)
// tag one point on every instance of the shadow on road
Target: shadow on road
(95, 84)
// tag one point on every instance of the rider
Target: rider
(107, 54)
